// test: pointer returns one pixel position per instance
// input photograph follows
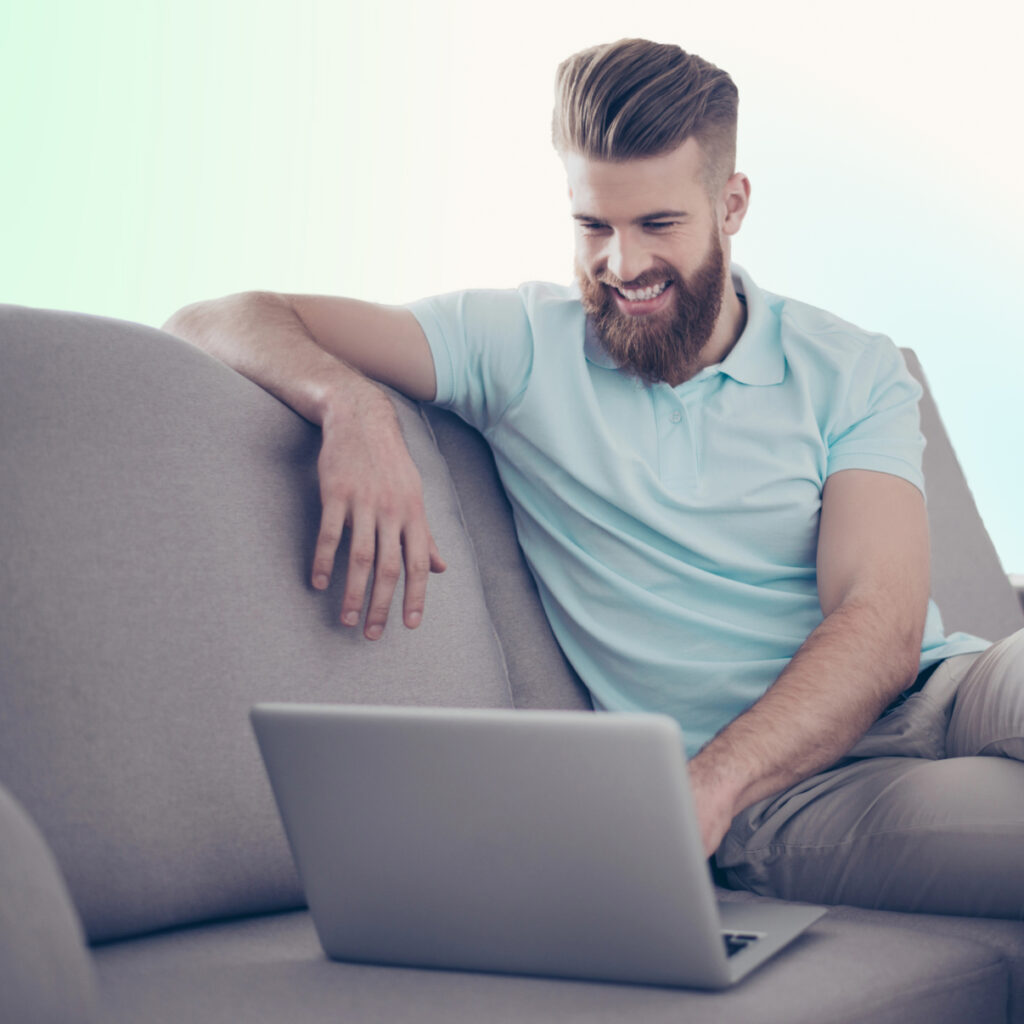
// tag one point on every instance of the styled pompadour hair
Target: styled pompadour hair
(634, 99)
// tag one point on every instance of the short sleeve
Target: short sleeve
(877, 423)
(482, 344)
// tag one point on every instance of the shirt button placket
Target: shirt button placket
(677, 455)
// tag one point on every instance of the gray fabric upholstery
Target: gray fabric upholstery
(159, 516)
(540, 675)
(968, 583)
(273, 970)
(1004, 938)
(46, 973)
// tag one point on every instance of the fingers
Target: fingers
(362, 554)
(385, 579)
(385, 551)
(437, 563)
(421, 558)
(332, 522)
(370, 485)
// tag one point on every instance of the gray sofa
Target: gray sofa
(158, 516)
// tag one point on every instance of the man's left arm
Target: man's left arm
(873, 586)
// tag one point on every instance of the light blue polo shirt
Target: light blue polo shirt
(673, 532)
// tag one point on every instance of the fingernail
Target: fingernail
(374, 632)
(350, 618)
(320, 581)
(414, 619)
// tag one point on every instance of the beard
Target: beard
(662, 346)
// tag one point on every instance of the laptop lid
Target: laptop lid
(535, 842)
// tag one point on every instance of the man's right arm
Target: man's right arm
(317, 353)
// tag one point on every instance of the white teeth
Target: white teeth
(643, 294)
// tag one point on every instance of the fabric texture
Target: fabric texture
(538, 672)
(925, 814)
(160, 514)
(46, 973)
(272, 969)
(673, 531)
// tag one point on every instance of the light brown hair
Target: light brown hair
(634, 99)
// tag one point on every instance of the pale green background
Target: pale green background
(161, 151)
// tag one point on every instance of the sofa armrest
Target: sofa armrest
(46, 970)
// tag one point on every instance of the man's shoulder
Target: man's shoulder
(538, 295)
(529, 302)
(554, 312)
(823, 340)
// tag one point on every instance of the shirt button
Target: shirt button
(676, 416)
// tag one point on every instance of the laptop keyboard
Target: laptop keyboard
(735, 941)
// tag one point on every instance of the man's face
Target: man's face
(649, 259)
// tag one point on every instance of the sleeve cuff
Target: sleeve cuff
(440, 349)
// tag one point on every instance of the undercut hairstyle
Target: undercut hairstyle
(634, 99)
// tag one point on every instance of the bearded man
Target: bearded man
(718, 491)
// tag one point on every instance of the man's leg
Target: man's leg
(903, 827)
(988, 712)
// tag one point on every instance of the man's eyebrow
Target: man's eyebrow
(642, 219)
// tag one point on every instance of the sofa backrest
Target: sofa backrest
(159, 514)
(969, 585)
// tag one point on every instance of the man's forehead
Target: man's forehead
(669, 181)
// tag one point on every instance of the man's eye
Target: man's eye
(660, 225)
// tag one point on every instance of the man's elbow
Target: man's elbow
(894, 628)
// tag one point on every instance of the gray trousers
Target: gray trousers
(925, 814)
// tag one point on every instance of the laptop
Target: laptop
(558, 843)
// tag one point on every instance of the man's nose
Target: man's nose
(627, 259)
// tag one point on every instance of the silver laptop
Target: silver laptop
(530, 842)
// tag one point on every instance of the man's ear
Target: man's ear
(734, 201)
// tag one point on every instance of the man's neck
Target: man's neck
(730, 324)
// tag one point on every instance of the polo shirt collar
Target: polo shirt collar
(755, 359)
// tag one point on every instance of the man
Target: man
(719, 494)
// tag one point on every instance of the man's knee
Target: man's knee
(988, 712)
(903, 834)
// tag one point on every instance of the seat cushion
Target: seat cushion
(1003, 937)
(272, 969)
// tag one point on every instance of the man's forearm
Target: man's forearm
(369, 485)
(843, 676)
(262, 337)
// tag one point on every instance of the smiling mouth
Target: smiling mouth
(638, 302)
(643, 294)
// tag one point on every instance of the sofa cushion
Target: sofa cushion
(159, 517)
(1003, 937)
(272, 969)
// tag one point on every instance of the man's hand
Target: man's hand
(715, 800)
(368, 482)
(315, 353)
